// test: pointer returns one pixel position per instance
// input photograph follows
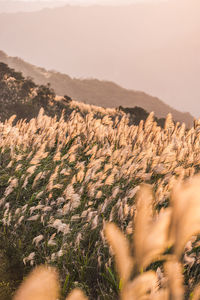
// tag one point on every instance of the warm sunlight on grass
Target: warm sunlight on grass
(70, 188)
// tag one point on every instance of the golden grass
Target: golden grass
(107, 160)
(149, 242)
(151, 238)
(41, 284)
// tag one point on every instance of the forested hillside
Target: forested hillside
(95, 92)
(22, 97)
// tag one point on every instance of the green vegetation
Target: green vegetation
(23, 98)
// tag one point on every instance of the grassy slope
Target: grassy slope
(93, 91)
(61, 181)
(22, 97)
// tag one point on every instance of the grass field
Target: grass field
(62, 182)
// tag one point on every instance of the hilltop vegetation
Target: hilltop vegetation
(95, 92)
(62, 180)
(23, 98)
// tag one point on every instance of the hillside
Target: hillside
(23, 98)
(62, 181)
(93, 91)
(145, 47)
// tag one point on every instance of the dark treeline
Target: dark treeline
(22, 97)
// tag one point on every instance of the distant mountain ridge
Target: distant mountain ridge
(147, 46)
(93, 91)
(22, 99)
(26, 6)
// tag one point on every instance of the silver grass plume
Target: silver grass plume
(121, 248)
(41, 284)
(186, 213)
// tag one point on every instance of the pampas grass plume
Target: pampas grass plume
(120, 246)
(143, 219)
(186, 212)
(196, 293)
(141, 287)
(173, 271)
(76, 294)
(41, 284)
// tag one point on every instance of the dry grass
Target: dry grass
(149, 243)
(41, 284)
(61, 182)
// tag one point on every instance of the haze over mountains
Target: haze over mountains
(149, 47)
(93, 91)
(10, 6)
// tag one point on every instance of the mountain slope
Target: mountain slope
(93, 91)
(148, 47)
(23, 98)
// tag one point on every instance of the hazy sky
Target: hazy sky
(93, 1)
(10, 6)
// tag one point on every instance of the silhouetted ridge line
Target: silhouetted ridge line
(96, 92)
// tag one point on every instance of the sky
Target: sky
(89, 1)
(12, 6)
